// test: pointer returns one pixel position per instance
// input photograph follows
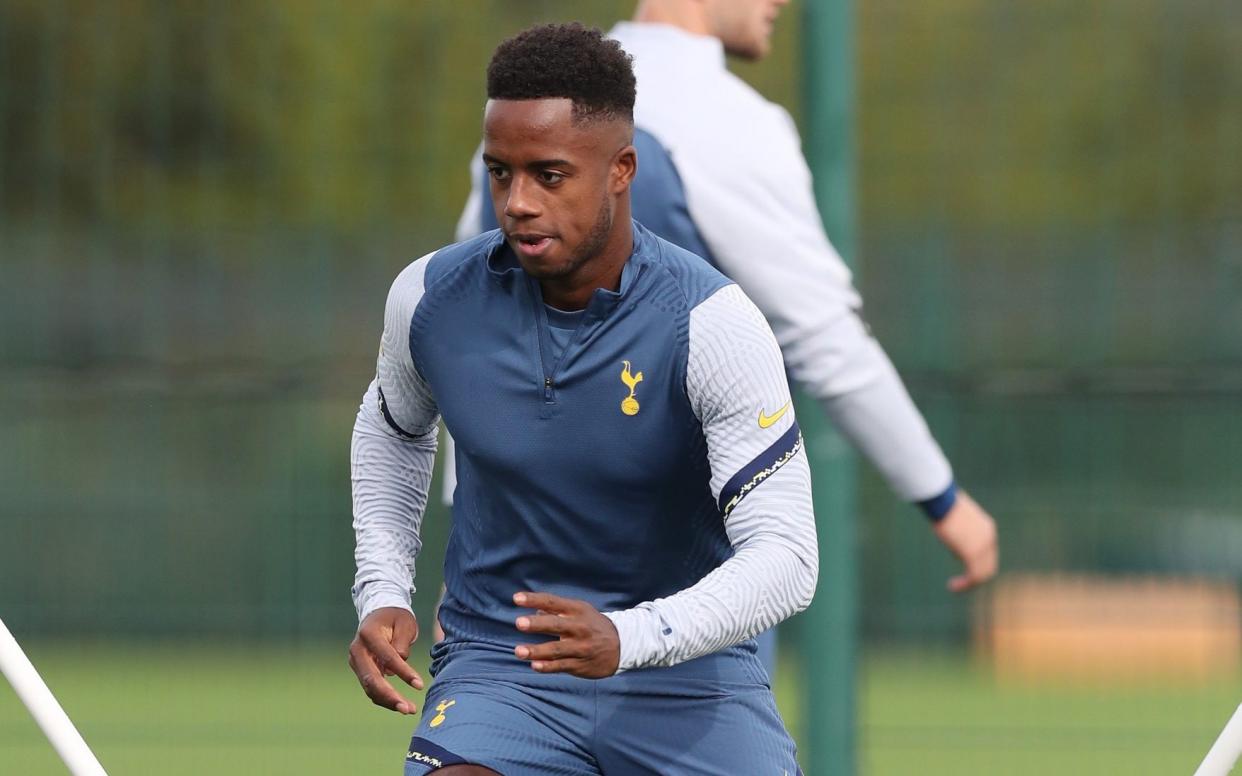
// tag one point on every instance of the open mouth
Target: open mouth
(532, 244)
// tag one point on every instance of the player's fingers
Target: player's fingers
(979, 570)
(373, 683)
(554, 624)
(959, 583)
(548, 602)
(552, 650)
(389, 660)
(573, 665)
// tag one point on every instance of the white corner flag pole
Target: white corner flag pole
(44, 708)
(1224, 753)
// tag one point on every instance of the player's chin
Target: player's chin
(547, 267)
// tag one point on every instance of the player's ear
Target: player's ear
(624, 167)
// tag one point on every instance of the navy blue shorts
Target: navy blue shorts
(710, 716)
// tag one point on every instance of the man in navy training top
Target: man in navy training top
(633, 500)
(721, 173)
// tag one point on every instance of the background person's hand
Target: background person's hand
(587, 645)
(970, 534)
(380, 649)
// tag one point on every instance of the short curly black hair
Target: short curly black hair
(565, 60)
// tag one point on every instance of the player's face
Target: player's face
(555, 183)
(744, 26)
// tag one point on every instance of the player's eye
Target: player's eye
(550, 178)
(498, 173)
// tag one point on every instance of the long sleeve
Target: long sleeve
(769, 239)
(391, 457)
(736, 385)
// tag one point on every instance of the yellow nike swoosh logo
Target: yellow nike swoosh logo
(766, 421)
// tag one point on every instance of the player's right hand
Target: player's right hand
(380, 649)
(970, 533)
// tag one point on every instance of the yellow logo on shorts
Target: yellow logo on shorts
(441, 707)
(629, 405)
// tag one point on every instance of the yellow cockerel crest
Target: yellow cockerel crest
(629, 405)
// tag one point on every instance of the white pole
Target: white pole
(44, 708)
(1224, 753)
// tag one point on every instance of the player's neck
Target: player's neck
(574, 291)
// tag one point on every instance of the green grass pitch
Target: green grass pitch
(213, 709)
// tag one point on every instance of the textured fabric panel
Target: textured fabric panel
(391, 458)
(391, 474)
(735, 376)
(694, 278)
(736, 385)
(407, 400)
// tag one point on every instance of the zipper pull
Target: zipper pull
(547, 389)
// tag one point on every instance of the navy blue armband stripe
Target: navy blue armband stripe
(763, 466)
(937, 507)
(388, 415)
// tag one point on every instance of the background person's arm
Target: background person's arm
(767, 235)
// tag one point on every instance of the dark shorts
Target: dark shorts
(707, 717)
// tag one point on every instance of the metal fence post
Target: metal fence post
(830, 626)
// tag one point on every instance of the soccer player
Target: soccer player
(633, 500)
(721, 173)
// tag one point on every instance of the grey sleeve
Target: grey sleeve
(391, 457)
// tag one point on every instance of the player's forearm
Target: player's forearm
(880, 419)
(391, 477)
(755, 589)
(771, 576)
(847, 370)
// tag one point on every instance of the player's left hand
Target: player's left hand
(588, 644)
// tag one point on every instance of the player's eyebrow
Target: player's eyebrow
(537, 164)
(542, 163)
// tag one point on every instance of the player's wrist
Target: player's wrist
(631, 625)
(938, 507)
(381, 595)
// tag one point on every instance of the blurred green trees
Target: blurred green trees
(237, 115)
(353, 115)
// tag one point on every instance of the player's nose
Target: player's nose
(522, 202)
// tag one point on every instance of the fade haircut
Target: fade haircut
(569, 61)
